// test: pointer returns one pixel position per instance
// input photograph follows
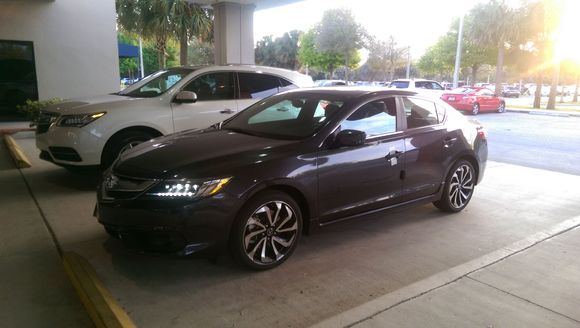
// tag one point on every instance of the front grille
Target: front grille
(45, 120)
(65, 154)
(122, 187)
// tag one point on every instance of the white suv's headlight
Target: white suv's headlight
(184, 188)
(79, 120)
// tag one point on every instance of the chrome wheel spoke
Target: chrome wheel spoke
(285, 243)
(248, 238)
(252, 253)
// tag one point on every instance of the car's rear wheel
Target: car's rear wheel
(266, 231)
(501, 107)
(458, 189)
(475, 109)
(121, 143)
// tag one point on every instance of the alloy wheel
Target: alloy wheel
(501, 108)
(461, 186)
(475, 109)
(270, 233)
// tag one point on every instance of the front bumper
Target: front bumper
(70, 146)
(170, 226)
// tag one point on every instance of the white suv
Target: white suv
(425, 87)
(94, 131)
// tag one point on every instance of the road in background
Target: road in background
(537, 141)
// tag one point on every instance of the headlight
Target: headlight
(185, 188)
(79, 120)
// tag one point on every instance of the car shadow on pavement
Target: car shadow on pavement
(82, 180)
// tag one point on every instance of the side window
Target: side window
(258, 86)
(375, 118)
(436, 86)
(213, 86)
(419, 112)
(420, 84)
(286, 85)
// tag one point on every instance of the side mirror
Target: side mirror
(350, 138)
(185, 97)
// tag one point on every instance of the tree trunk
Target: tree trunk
(474, 69)
(499, 68)
(538, 93)
(346, 68)
(575, 99)
(161, 45)
(183, 50)
(554, 87)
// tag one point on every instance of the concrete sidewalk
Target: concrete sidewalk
(34, 289)
(531, 283)
(534, 111)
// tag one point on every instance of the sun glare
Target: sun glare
(567, 45)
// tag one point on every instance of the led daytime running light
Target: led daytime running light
(186, 188)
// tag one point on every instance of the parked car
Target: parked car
(510, 92)
(474, 100)
(93, 131)
(328, 83)
(427, 87)
(298, 160)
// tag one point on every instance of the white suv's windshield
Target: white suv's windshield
(156, 83)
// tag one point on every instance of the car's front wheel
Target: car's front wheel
(458, 189)
(266, 231)
(120, 143)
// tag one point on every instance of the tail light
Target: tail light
(481, 132)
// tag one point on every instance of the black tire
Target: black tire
(459, 186)
(501, 108)
(261, 241)
(121, 142)
(475, 109)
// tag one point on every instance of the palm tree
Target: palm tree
(189, 20)
(495, 25)
(162, 20)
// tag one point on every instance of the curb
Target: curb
(16, 152)
(386, 302)
(543, 112)
(98, 301)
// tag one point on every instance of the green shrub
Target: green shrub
(32, 108)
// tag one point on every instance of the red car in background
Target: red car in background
(474, 100)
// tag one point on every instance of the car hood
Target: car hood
(199, 154)
(90, 104)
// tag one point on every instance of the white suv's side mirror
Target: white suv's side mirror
(183, 97)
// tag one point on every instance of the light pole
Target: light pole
(458, 53)
(408, 61)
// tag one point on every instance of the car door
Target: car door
(483, 98)
(427, 146)
(255, 86)
(366, 177)
(215, 101)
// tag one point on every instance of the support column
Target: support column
(234, 33)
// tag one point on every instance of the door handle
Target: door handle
(448, 142)
(227, 111)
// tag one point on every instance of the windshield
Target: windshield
(287, 116)
(156, 83)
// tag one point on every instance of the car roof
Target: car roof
(355, 91)
(295, 76)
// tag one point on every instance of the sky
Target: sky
(414, 23)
